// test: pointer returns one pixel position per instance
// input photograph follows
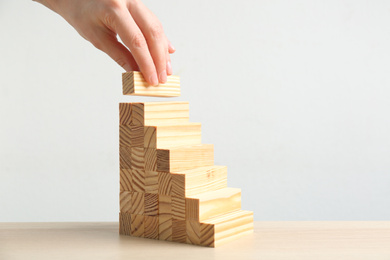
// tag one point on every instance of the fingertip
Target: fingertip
(169, 68)
(163, 76)
(153, 80)
(171, 49)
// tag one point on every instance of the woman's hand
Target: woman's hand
(146, 48)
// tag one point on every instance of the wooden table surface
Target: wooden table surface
(271, 240)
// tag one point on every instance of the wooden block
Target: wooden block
(124, 157)
(165, 183)
(178, 185)
(125, 180)
(125, 201)
(134, 84)
(217, 202)
(166, 136)
(138, 203)
(193, 232)
(185, 157)
(131, 136)
(178, 208)
(137, 225)
(207, 234)
(151, 182)
(138, 180)
(204, 179)
(179, 231)
(151, 224)
(225, 228)
(124, 113)
(165, 227)
(137, 114)
(137, 159)
(125, 135)
(151, 204)
(156, 113)
(124, 223)
(150, 159)
(150, 137)
(164, 205)
(192, 209)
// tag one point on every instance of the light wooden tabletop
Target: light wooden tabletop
(271, 240)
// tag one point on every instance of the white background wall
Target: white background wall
(294, 95)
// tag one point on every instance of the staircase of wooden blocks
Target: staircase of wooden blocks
(170, 188)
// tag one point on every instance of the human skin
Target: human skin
(145, 46)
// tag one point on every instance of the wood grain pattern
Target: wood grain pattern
(138, 203)
(137, 159)
(204, 179)
(137, 225)
(137, 136)
(124, 223)
(124, 157)
(157, 113)
(164, 205)
(138, 180)
(165, 227)
(151, 224)
(206, 234)
(193, 232)
(164, 183)
(218, 202)
(125, 113)
(151, 182)
(150, 136)
(125, 180)
(150, 158)
(178, 208)
(137, 114)
(134, 84)
(125, 135)
(179, 233)
(151, 204)
(170, 135)
(178, 185)
(227, 227)
(192, 209)
(185, 157)
(125, 201)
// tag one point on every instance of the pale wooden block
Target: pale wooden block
(124, 157)
(165, 227)
(124, 223)
(165, 183)
(164, 205)
(193, 232)
(134, 84)
(227, 227)
(137, 225)
(217, 202)
(172, 135)
(125, 201)
(138, 203)
(151, 224)
(178, 208)
(151, 204)
(151, 182)
(185, 157)
(150, 158)
(156, 113)
(125, 180)
(179, 233)
(203, 179)
(125, 113)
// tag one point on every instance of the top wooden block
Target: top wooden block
(134, 84)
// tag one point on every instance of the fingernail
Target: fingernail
(169, 68)
(163, 76)
(154, 79)
(172, 47)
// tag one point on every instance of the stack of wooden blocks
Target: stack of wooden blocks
(170, 188)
